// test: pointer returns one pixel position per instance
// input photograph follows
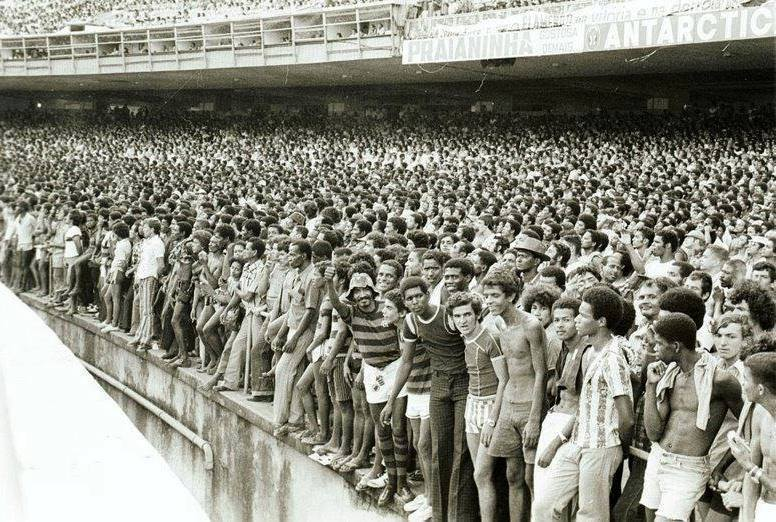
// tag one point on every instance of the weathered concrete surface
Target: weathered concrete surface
(256, 476)
(67, 452)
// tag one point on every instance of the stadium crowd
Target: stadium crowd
(587, 299)
(47, 16)
(27, 17)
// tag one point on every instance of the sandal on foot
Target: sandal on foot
(351, 465)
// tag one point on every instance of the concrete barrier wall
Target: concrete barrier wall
(255, 476)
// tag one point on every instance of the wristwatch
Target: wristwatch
(491, 423)
(756, 474)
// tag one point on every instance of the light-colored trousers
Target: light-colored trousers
(575, 470)
(553, 423)
(287, 406)
(250, 327)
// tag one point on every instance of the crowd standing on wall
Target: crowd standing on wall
(555, 317)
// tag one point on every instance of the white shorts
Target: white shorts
(418, 405)
(764, 511)
(553, 423)
(673, 483)
(477, 412)
(378, 383)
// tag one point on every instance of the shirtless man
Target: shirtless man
(758, 458)
(517, 430)
(687, 398)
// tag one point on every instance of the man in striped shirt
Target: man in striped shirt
(587, 462)
(454, 493)
(378, 343)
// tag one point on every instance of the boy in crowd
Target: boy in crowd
(488, 376)
(592, 440)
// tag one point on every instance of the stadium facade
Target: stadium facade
(537, 54)
(566, 57)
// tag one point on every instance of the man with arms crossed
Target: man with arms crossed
(517, 430)
(687, 398)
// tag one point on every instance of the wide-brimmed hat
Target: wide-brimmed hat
(360, 280)
(697, 234)
(534, 246)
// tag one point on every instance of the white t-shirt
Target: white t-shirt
(70, 234)
(25, 228)
(436, 294)
(655, 268)
(121, 254)
(151, 249)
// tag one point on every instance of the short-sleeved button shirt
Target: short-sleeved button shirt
(606, 378)
(249, 282)
(302, 296)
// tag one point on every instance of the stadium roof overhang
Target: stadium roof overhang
(722, 56)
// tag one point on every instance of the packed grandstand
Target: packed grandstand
(426, 288)
(48, 16)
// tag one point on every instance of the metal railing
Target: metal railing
(324, 26)
(168, 419)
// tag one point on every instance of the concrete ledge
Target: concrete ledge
(256, 475)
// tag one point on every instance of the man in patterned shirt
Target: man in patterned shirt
(587, 462)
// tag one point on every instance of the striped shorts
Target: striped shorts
(477, 412)
(339, 390)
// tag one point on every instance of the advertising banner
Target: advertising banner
(514, 44)
(691, 28)
(558, 14)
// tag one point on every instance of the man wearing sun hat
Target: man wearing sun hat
(378, 343)
(530, 254)
(694, 244)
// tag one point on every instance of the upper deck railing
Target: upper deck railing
(366, 27)
(349, 23)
